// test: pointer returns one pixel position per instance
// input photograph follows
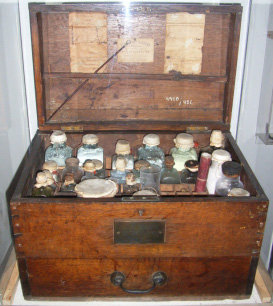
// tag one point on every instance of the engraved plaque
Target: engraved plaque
(139, 232)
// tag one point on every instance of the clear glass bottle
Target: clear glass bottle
(136, 170)
(89, 149)
(42, 187)
(215, 171)
(72, 166)
(169, 175)
(58, 151)
(189, 174)
(183, 150)
(150, 151)
(52, 167)
(123, 149)
(216, 142)
(119, 174)
(89, 170)
(69, 183)
(230, 179)
(131, 185)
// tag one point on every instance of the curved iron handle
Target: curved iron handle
(118, 278)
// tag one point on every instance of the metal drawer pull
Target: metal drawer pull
(118, 278)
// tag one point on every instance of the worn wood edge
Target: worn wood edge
(10, 291)
(264, 283)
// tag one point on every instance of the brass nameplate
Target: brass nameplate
(139, 232)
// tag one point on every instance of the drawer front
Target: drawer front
(192, 229)
(214, 277)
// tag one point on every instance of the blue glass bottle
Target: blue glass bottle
(119, 174)
(58, 151)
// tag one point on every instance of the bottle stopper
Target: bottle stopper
(151, 140)
(90, 139)
(50, 165)
(123, 147)
(58, 137)
(184, 141)
(141, 163)
(89, 166)
(216, 138)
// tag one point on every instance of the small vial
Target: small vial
(123, 150)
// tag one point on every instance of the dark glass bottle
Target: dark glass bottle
(189, 174)
(72, 166)
(169, 175)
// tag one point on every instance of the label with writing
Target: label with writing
(179, 100)
(137, 50)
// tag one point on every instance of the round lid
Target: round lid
(98, 164)
(121, 163)
(123, 147)
(184, 140)
(72, 161)
(41, 178)
(216, 138)
(130, 179)
(238, 192)
(90, 139)
(50, 165)
(89, 165)
(169, 161)
(96, 188)
(48, 174)
(192, 165)
(141, 163)
(151, 140)
(221, 155)
(58, 137)
(231, 168)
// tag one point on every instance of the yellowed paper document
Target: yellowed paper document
(184, 42)
(138, 50)
(88, 41)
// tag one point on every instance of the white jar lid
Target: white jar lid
(90, 139)
(151, 140)
(123, 147)
(221, 155)
(89, 165)
(216, 138)
(184, 140)
(58, 137)
(50, 165)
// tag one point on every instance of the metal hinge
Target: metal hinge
(72, 128)
(197, 128)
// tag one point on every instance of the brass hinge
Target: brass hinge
(197, 129)
(72, 128)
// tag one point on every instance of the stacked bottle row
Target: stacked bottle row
(125, 170)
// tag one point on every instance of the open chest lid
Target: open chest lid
(108, 66)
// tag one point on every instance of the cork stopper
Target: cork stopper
(72, 162)
(184, 141)
(192, 165)
(221, 155)
(123, 147)
(231, 169)
(216, 138)
(121, 163)
(130, 179)
(169, 161)
(89, 166)
(141, 163)
(238, 192)
(50, 165)
(151, 140)
(48, 174)
(98, 164)
(69, 179)
(90, 139)
(58, 137)
(41, 178)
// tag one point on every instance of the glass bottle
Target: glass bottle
(89, 170)
(183, 150)
(230, 179)
(69, 183)
(189, 174)
(42, 188)
(89, 149)
(123, 149)
(119, 174)
(216, 142)
(138, 165)
(131, 185)
(169, 175)
(150, 151)
(100, 172)
(52, 167)
(72, 166)
(58, 151)
(215, 171)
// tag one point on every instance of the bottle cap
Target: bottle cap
(192, 165)
(72, 161)
(141, 163)
(238, 192)
(151, 140)
(123, 147)
(231, 168)
(184, 141)
(169, 161)
(41, 178)
(58, 137)
(89, 166)
(221, 155)
(121, 163)
(50, 165)
(98, 164)
(216, 138)
(48, 174)
(130, 179)
(90, 139)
